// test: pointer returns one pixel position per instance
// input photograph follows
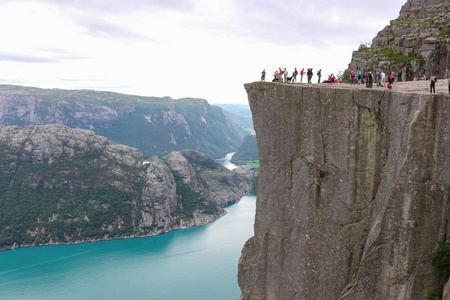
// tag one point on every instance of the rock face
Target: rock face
(416, 43)
(353, 193)
(65, 185)
(155, 126)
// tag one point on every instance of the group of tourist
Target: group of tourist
(283, 75)
(360, 77)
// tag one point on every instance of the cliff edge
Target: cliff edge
(353, 193)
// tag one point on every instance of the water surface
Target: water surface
(195, 263)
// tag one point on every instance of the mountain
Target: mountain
(155, 126)
(247, 153)
(64, 185)
(240, 114)
(353, 192)
(416, 43)
(238, 109)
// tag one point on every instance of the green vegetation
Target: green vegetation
(433, 295)
(441, 260)
(446, 30)
(63, 215)
(390, 54)
(33, 211)
(247, 153)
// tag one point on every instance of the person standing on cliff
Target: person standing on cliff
(309, 74)
(302, 72)
(369, 80)
(433, 84)
(319, 74)
(352, 78)
(383, 77)
(358, 74)
(263, 75)
(285, 75)
(295, 75)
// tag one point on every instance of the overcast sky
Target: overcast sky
(179, 48)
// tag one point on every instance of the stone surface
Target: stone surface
(353, 192)
(421, 34)
(446, 294)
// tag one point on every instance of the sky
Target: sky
(180, 48)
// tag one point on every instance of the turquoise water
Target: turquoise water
(195, 263)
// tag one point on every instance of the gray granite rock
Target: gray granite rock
(353, 193)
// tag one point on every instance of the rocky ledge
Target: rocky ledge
(354, 192)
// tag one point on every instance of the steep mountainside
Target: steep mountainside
(416, 43)
(239, 114)
(64, 185)
(155, 126)
(353, 193)
(247, 152)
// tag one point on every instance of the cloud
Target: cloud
(120, 6)
(302, 22)
(13, 81)
(105, 29)
(62, 54)
(79, 80)
(102, 87)
(14, 57)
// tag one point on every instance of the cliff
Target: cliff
(65, 185)
(353, 193)
(155, 126)
(416, 43)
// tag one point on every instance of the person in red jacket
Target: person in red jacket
(352, 78)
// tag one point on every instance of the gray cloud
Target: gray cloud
(294, 22)
(62, 54)
(107, 29)
(13, 81)
(78, 80)
(104, 87)
(15, 57)
(120, 6)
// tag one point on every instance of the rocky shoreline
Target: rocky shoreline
(186, 225)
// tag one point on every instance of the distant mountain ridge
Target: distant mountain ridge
(155, 126)
(64, 185)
